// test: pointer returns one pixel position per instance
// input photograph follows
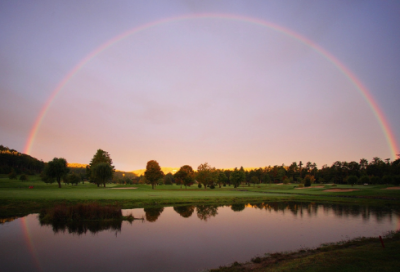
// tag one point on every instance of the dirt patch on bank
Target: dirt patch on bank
(392, 188)
(341, 190)
(310, 187)
(125, 188)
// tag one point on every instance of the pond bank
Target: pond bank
(361, 254)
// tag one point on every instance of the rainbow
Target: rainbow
(28, 239)
(384, 124)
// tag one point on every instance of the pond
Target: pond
(185, 238)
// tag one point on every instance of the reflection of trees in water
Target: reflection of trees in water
(184, 211)
(311, 209)
(82, 227)
(238, 207)
(205, 212)
(152, 214)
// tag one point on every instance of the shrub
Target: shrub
(396, 180)
(364, 180)
(375, 180)
(212, 186)
(387, 180)
(199, 185)
(256, 260)
(300, 185)
(307, 182)
(23, 177)
(12, 175)
(352, 180)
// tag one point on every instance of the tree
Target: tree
(352, 180)
(101, 156)
(307, 181)
(206, 175)
(153, 173)
(364, 180)
(237, 177)
(254, 180)
(222, 178)
(185, 176)
(101, 173)
(56, 170)
(73, 178)
(12, 175)
(169, 179)
(23, 177)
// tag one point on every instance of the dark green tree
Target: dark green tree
(254, 180)
(237, 177)
(169, 179)
(12, 175)
(23, 177)
(73, 178)
(56, 170)
(364, 180)
(153, 173)
(352, 180)
(101, 156)
(101, 173)
(307, 181)
(222, 178)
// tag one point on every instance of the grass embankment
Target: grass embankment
(362, 254)
(16, 199)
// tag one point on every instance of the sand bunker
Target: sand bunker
(392, 188)
(310, 187)
(125, 188)
(340, 190)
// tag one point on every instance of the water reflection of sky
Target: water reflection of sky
(187, 238)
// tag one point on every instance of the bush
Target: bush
(387, 180)
(212, 186)
(375, 180)
(23, 177)
(352, 180)
(300, 186)
(307, 182)
(199, 185)
(364, 180)
(12, 175)
(256, 260)
(396, 180)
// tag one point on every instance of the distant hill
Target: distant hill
(166, 170)
(11, 159)
(77, 165)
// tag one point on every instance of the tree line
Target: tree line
(101, 170)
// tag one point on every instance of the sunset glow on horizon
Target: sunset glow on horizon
(249, 85)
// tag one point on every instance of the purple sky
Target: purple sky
(226, 92)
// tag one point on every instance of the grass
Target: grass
(361, 254)
(16, 199)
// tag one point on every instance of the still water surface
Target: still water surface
(190, 238)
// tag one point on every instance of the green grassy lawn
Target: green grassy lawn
(16, 197)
